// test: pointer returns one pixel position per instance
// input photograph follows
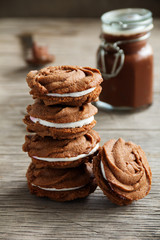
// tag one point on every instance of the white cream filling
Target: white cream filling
(80, 123)
(68, 159)
(74, 94)
(102, 170)
(57, 190)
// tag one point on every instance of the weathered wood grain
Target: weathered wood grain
(24, 216)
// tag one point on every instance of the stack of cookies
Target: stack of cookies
(63, 143)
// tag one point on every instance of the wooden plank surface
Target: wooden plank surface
(24, 216)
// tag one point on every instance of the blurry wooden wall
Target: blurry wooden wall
(71, 8)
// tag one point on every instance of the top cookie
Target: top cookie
(67, 85)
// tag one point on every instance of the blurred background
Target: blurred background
(70, 29)
(71, 8)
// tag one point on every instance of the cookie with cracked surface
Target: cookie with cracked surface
(65, 85)
(60, 122)
(61, 184)
(61, 153)
(122, 171)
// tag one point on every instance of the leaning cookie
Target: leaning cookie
(61, 153)
(65, 85)
(122, 171)
(60, 122)
(61, 184)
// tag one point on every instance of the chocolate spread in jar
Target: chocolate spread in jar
(125, 59)
(132, 87)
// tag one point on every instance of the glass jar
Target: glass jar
(125, 59)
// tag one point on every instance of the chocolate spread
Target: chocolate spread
(39, 55)
(132, 86)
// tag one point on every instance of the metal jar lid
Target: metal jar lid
(127, 21)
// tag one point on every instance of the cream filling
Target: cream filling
(56, 189)
(102, 170)
(68, 159)
(74, 94)
(80, 123)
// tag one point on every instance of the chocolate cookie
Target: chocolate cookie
(61, 153)
(66, 85)
(122, 171)
(60, 122)
(61, 184)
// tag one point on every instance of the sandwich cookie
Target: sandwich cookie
(61, 184)
(60, 122)
(61, 153)
(65, 85)
(122, 171)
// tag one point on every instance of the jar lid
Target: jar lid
(127, 21)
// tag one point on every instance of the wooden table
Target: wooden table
(27, 217)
